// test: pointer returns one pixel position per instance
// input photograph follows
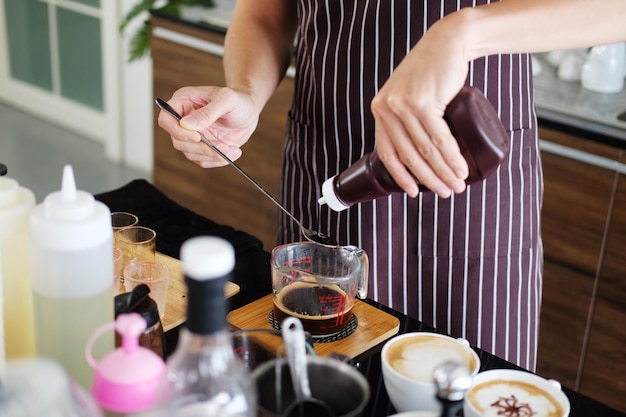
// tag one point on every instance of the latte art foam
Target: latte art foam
(500, 398)
(417, 358)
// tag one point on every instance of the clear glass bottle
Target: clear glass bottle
(482, 139)
(204, 377)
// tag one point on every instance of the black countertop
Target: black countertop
(175, 224)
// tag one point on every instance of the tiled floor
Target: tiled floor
(35, 152)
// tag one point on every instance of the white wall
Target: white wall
(137, 104)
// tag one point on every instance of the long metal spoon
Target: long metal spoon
(312, 235)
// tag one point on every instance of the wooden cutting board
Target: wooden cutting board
(176, 305)
(374, 326)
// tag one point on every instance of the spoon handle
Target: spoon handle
(169, 110)
(295, 342)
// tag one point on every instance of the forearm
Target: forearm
(517, 26)
(258, 47)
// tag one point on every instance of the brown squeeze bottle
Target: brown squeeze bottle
(483, 141)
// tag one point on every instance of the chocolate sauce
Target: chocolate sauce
(512, 407)
(482, 139)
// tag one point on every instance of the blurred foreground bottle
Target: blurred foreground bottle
(72, 264)
(127, 379)
(36, 387)
(16, 204)
(204, 377)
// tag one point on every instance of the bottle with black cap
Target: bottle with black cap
(204, 377)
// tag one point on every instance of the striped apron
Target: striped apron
(470, 265)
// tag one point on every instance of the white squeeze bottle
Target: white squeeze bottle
(72, 267)
(16, 204)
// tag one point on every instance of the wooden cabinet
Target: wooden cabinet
(584, 289)
(185, 55)
(605, 361)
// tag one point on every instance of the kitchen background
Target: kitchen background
(69, 95)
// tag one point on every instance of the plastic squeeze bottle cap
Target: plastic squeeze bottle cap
(127, 379)
(70, 219)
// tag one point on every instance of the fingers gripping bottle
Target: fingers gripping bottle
(482, 139)
(204, 377)
(16, 204)
(72, 265)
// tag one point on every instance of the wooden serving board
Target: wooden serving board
(176, 304)
(374, 326)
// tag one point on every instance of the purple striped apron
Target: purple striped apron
(469, 265)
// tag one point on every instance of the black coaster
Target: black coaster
(345, 332)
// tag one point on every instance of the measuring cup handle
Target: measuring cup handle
(365, 274)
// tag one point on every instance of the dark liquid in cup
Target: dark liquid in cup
(323, 310)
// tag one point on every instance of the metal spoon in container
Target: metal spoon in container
(305, 404)
(312, 235)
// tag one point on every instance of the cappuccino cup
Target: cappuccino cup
(408, 363)
(603, 70)
(501, 392)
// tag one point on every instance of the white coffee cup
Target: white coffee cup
(408, 363)
(417, 414)
(571, 65)
(603, 71)
(495, 390)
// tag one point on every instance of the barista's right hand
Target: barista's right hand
(224, 116)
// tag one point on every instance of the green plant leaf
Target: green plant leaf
(136, 10)
(140, 40)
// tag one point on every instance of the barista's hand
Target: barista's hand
(411, 135)
(224, 116)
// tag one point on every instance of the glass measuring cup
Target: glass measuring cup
(318, 284)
